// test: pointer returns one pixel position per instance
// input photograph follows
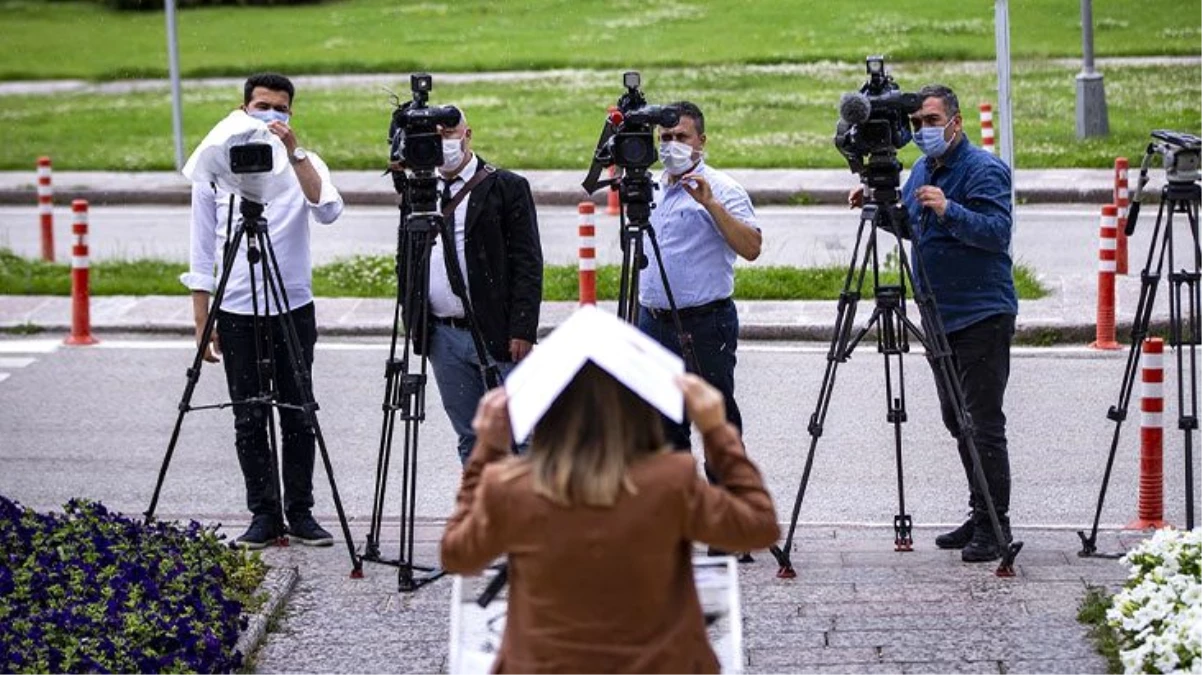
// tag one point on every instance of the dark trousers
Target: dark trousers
(715, 333)
(982, 359)
(237, 336)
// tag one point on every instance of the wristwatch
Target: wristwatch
(299, 155)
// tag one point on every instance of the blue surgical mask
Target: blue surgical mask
(268, 116)
(931, 141)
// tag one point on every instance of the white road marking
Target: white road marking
(29, 346)
(15, 361)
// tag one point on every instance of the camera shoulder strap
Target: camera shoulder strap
(483, 172)
(492, 374)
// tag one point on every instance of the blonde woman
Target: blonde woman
(598, 522)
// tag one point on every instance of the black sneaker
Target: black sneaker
(263, 531)
(984, 547)
(305, 530)
(957, 538)
(740, 556)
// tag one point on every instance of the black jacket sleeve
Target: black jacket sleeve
(524, 255)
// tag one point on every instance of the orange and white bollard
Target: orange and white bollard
(1122, 199)
(1150, 513)
(987, 128)
(46, 208)
(588, 254)
(81, 323)
(1106, 249)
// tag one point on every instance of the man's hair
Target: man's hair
(951, 104)
(689, 109)
(272, 81)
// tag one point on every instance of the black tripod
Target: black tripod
(259, 252)
(1177, 197)
(893, 327)
(635, 192)
(406, 377)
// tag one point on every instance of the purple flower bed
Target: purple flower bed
(89, 590)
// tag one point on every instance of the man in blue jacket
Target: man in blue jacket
(958, 198)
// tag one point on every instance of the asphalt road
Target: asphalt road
(1055, 240)
(95, 422)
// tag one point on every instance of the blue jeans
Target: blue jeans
(715, 336)
(460, 380)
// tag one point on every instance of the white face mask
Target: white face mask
(452, 153)
(676, 156)
(269, 116)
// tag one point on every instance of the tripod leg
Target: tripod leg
(1149, 283)
(1186, 348)
(265, 371)
(193, 373)
(840, 350)
(890, 341)
(308, 406)
(392, 368)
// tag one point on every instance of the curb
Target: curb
(1035, 333)
(279, 584)
(543, 196)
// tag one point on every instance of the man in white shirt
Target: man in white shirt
(267, 97)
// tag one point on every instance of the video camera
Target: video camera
(413, 134)
(874, 122)
(628, 138)
(250, 158)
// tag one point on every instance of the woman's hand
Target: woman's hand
(703, 402)
(491, 423)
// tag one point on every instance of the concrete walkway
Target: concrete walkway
(856, 606)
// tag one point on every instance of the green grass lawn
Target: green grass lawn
(372, 277)
(82, 39)
(755, 116)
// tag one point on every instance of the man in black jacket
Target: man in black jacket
(497, 249)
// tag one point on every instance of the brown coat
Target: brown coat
(609, 590)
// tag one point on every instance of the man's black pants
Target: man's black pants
(982, 360)
(237, 336)
(715, 331)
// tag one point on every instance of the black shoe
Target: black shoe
(984, 547)
(263, 531)
(957, 538)
(306, 530)
(740, 556)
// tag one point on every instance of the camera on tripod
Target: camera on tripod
(1181, 153)
(874, 122)
(250, 158)
(632, 145)
(413, 134)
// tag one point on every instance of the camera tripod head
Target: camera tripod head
(1181, 156)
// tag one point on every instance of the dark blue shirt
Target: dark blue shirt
(966, 253)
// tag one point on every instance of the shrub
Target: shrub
(1158, 614)
(90, 590)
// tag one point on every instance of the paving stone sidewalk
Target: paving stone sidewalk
(856, 606)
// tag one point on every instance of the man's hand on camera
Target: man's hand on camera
(491, 423)
(932, 198)
(284, 133)
(698, 188)
(703, 402)
(519, 349)
(855, 198)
